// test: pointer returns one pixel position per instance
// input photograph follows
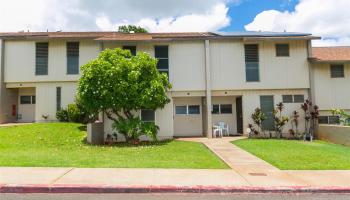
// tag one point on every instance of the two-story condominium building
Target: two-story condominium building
(214, 77)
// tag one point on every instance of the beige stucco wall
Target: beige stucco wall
(26, 112)
(228, 66)
(46, 98)
(57, 66)
(188, 125)
(186, 62)
(330, 92)
(230, 119)
(251, 100)
(163, 119)
(335, 134)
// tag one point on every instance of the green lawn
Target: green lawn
(62, 145)
(298, 155)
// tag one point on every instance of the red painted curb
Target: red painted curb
(164, 189)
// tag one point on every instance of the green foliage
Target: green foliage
(280, 121)
(74, 114)
(344, 118)
(133, 128)
(119, 85)
(62, 115)
(258, 117)
(129, 28)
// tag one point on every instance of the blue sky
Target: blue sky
(245, 12)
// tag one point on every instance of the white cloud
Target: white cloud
(327, 18)
(82, 15)
(211, 21)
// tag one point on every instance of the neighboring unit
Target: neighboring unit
(215, 77)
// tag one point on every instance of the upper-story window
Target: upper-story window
(132, 49)
(337, 71)
(282, 50)
(72, 57)
(162, 54)
(252, 62)
(41, 58)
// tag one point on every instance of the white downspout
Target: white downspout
(208, 89)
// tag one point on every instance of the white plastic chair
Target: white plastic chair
(224, 128)
(217, 129)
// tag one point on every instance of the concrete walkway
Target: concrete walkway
(258, 172)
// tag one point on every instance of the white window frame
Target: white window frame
(187, 109)
(293, 99)
(212, 109)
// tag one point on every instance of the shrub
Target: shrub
(74, 114)
(133, 128)
(62, 115)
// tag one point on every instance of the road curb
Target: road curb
(164, 189)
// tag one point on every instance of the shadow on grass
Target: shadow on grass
(82, 128)
(128, 145)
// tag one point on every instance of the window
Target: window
(33, 100)
(267, 107)
(148, 115)
(287, 98)
(181, 110)
(187, 110)
(226, 108)
(58, 98)
(25, 100)
(41, 58)
(328, 120)
(333, 120)
(252, 62)
(299, 98)
(162, 54)
(282, 50)
(72, 57)
(132, 49)
(337, 71)
(222, 109)
(193, 110)
(216, 109)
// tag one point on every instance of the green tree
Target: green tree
(129, 28)
(119, 85)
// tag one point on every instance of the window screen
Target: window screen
(41, 58)
(287, 98)
(132, 49)
(226, 108)
(299, 98)
(181, 110)
(148, 115)
(216, 109)
(72, 57)
(337, 71)
(193, 109)
(25, 99)
(162, 54)
(252, 62)
(282, 50)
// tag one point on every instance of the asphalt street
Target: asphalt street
(174, 196)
